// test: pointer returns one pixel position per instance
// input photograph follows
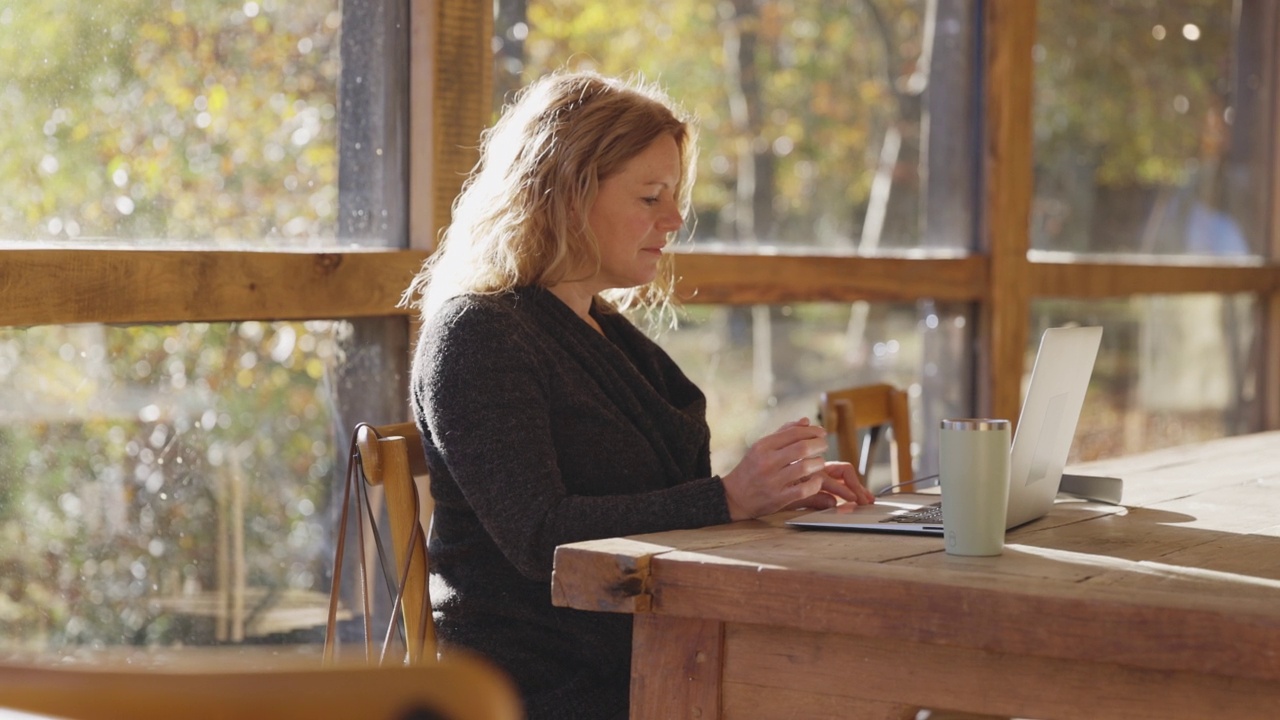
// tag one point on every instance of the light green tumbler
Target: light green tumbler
(973, 471)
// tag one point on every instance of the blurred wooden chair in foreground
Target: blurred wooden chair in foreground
(857, 417)
(388, 456)
(456, 688)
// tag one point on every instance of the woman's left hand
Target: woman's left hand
(839, 482)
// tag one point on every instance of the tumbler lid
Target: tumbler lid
(975, 424)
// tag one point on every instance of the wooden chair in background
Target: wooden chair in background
(857, 416)
(458, 687)
(390, 456)
(417, 462)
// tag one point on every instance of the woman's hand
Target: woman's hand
(839, 481)
(780, 470)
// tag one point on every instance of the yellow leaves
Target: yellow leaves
(217, 97)
(314, 368)
(155, 33)
(182, 94)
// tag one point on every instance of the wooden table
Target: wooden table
(1167, 607)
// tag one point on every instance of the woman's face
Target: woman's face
(633, 213)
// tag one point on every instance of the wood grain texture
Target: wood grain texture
(1097, 280)
(690, 650)
(750, 279)
(461, 102)
(750, 700)
(609, 575)
(811, 674)
(1005, 316)
(46, 287)
(1177, 588)
(1008, 608)
(1269, 382)
(409, 541)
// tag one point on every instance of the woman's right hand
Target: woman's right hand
(779, 469)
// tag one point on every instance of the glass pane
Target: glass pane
(155, 479)
(1153, 126)
(165, 122)
(761, 366)
(837, 127)
(1171, 370)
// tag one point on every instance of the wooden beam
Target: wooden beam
(1094, 280)
(155, 286)
(462, 104)
(753, 279)
(1269, 307)
(1269, 382)
(54, 287)
(1010, 30)
(424, 42)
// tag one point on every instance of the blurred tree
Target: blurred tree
(787, 93)
(1129, 99)
(163, 122)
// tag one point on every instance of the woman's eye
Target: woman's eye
(650, 201)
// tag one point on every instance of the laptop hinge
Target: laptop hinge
(1098, 488)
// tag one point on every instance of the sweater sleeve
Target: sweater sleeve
(488, 408)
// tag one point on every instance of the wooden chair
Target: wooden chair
(390, 456)
(857, 417)
(458, 687)
(417, 461)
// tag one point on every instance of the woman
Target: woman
(548, 418)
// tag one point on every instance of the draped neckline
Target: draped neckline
(663, 405)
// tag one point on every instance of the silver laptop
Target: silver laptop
(1041, 443)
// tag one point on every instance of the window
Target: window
(195, 122)
(835, 134)
(1150, 130)
(200, 194)
(183, 347)
(841, 140)
(1154, 144)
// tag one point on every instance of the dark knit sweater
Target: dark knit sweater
(540, 431)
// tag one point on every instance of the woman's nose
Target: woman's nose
(671, 219)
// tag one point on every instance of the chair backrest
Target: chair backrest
(390, 456)
(458, 687)
(408, 431)
(856, 416)
(417, 465)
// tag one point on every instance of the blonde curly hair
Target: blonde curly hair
(521, 216)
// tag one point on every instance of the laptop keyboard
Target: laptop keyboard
(927, 515)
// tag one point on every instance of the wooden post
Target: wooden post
(691, 644)
(1269, 305)
(1002, 334)
(461, 104)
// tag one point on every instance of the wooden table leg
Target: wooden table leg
(675, 667)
